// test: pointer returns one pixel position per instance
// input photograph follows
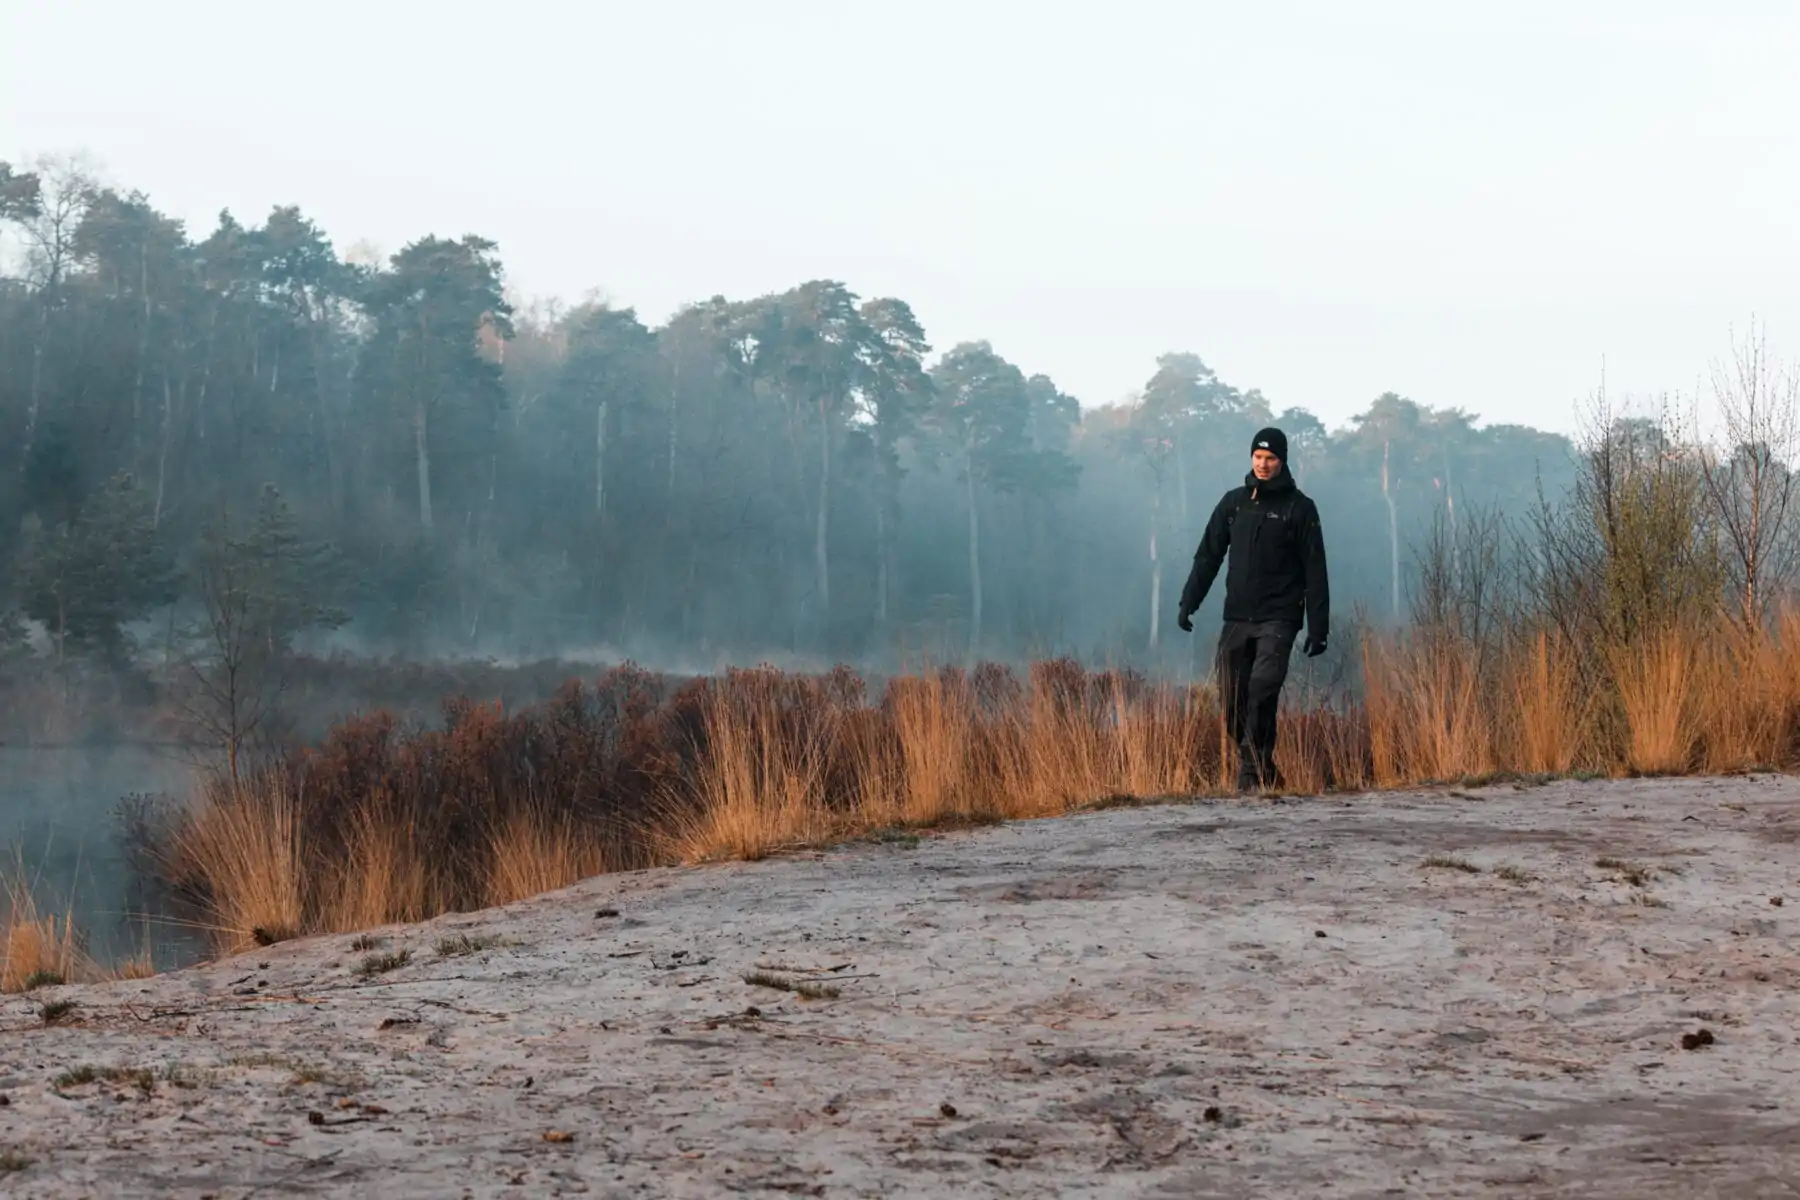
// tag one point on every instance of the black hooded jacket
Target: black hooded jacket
(1277, 570)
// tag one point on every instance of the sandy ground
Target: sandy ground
(1192, 1000)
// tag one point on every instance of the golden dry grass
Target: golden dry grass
(1677, 699)
(535, 851)
(37, 946)
(778, 761)
(379, 879)
(1659, 687)
(1427, 720)
(1749, 692)
(755, 789)
(1547, 717)
(141, 965)
(935, 723)
(246, 842)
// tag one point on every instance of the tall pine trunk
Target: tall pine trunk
(1393, 531)
(143, 353)
(334, 467)
(600, 462)
(674, 439)
(821, 523)
(887, 520)
(881, 564)
(37, 380)
(423, 456)
(974, 553)
(162, 456)
(1450, 503)
(1155, 569)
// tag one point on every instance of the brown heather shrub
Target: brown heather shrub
(381, 823)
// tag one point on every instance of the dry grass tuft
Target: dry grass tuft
(1551, 714)
(934, 722)
(536, 851)
(381, 825)
(381, 964)
(806, 989)
(462, 944)
(380, 878)
(141, 965)
(1627, 872)
(40, 949)
(1749, 692)
(757, 787)
(245, 845)
(1657, 685)
(54, 1012)
(1427, 719)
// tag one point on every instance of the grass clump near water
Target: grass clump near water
(495, 807)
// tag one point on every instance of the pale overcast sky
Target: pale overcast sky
(1473, 204)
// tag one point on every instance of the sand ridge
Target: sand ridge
(1429, 994)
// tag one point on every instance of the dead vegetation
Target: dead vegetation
(1623, 631)
(1626, 872)
(378, 825)
(381, 964)
(55, 1012)
(144, 1079)
(806, 989)
(41, 948)
(462, 945)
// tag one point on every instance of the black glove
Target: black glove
(1315, 646)
(1182, 622)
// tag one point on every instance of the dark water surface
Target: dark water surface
(59, 817)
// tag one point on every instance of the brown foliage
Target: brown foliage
(383, 823)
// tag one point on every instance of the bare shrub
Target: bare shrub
(1750, 487)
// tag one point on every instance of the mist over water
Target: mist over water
(59, 816)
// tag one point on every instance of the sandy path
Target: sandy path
(1227, 1000)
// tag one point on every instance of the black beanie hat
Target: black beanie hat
(1272, 440)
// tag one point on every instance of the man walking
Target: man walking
(1277, 575)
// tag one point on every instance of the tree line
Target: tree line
(403, 456)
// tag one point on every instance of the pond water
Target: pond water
(59, 819)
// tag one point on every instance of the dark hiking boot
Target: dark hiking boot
(1259, 776)
(1249, 779)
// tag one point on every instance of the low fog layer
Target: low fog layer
(421, 464)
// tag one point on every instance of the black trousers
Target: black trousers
(1252, 665)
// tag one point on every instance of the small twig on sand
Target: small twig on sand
(790, 970)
